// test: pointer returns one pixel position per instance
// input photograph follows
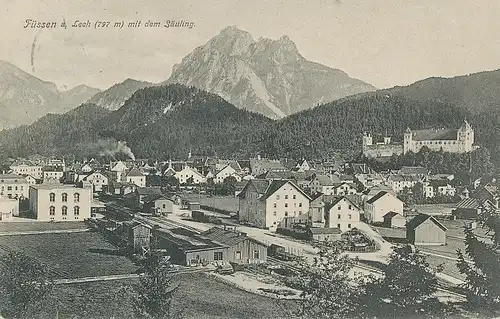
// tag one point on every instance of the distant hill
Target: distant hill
(115, 96)
(476, 92)
(25, 98)
(266, 76)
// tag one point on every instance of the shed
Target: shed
(193, 206)
(425, 230)
(394, 220)
(138, 236)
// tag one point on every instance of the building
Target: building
(459, 140)
(14, 186)
(324, 184)
(342, 213)
(472, 208)
(189, 248)
(60, 202)
(27, 168)
(185, 174)
(425, 230)
(241, 248)
(265, 203)
(399, 182)
(99, 181)
(226, 171)
(51, 172)
(161, 205)
(134, 176)
(8, 208)
(143, 195)
(380, 149)
(394, 220)
(380, 204)
(138, 237)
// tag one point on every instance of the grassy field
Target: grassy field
(199, 296)
(71, 255)
(229, 203)
(38, 226)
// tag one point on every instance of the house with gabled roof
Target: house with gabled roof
(342, 213)
(425, 230)
(324, 184)
(227, 171)
(99, 181)
(135, 176)
(380, 204)
(265, 203)
(394, 220)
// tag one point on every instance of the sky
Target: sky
(382, 42)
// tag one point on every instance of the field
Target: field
(71, 255)
(39, 226)
(229, 203)
(199, 296)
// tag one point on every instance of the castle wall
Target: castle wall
(383, 150)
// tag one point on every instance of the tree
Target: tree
(329, 291)
(406, 289)
(25, 283)
(154, 294)
(482, 284)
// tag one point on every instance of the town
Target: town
(241, 219)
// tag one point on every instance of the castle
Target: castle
(459, 140)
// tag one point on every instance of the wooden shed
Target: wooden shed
(242, 249)
(394, 220)
(138, 236)
(425, 230)
(324, 234)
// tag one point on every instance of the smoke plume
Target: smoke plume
(112, 148)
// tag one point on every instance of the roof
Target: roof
(187, 240)
(227, 237)
(260, 185)
(419, 219)
(403, 178)
(277, 184)
(362, 169)
(134, 172)
(414, 170)
(392, 214)
(149, 190)
(54, 186)
(378, 196)
(434, 134)
(470, 203)
(324, 180)
(320, 230)
(336, 200)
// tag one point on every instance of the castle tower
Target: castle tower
(466, 136)
(367, 140)
(408, 142)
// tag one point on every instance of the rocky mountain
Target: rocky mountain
(25, 98)
(76, 96)
(265, 76)
(114, 97)
(476, 92)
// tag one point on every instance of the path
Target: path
(38, 232)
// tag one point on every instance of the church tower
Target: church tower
(408, 141)
(466, 136)
(367, 140)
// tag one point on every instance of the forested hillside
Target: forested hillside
(169, 121)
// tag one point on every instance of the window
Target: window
(339, 216)
(300, 204)
(350, 216)
(76, 210)
(274, 205)
(64, 210)
(286, 213)
(348, 225)
(218, 255)
(274, 213)
(277, 197)
(294, 196)
(16, 188)
(9, 188)
(286, 196)
(64, 197)
(255, 254)
(76, 197)
(338, 225)
(164, 206)
(52, 210)
(339, 208)
(52, 197)
(237, 255)
(350, 206)
(286, 204)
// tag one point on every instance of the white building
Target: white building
(8, 208)
(266, 203)
(98, 180)
(14, 186)
(27, 168)
(225, 172)
(60, 202)
(380, 204)
(134, 176)
(342, 213)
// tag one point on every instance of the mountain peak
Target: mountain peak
(231, 41)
